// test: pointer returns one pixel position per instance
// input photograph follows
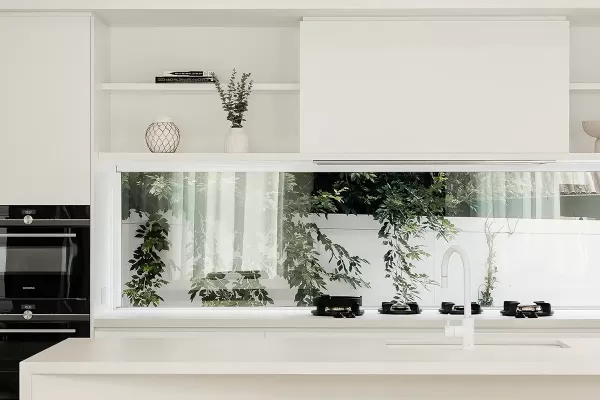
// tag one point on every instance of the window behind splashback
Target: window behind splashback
(230, 239)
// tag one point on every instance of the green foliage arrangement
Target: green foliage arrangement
(146, 263)
(300, 255)
(243, 291)
(407, 205)
(235, 97)
(148, 193)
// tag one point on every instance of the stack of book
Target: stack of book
(185, 77)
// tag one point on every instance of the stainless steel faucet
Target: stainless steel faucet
(467, 330)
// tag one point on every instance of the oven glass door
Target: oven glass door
(38, 262)
(21, 340)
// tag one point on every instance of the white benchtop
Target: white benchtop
(301, 318)
(312, 356)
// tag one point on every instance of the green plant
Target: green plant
(235, 97)
(217, 290)
(407, 205)
(300, 239)
(146, 263)
(486, 298)
(148, 193)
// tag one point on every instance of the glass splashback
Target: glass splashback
(239, 239)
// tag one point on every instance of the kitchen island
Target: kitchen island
(296, 368)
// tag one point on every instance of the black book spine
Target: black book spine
(181, 79)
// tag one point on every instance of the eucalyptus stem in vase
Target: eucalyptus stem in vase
(234, 99)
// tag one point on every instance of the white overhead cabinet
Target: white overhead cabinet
(404, 86)
(45, 109)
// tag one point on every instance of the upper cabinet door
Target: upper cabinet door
(45, 110)
(434, 86)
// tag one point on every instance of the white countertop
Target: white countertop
(292, 318)
(315, 357)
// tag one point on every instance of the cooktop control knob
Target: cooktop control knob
(27, 315)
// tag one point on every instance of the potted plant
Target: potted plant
(235, 103)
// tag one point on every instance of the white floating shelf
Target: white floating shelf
(585, 87)
(196, 88)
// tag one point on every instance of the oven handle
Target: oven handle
(38, 235)
(45, 222)
(37, 331)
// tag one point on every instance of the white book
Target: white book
(191, 73)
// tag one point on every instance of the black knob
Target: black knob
(510, 307)
(386, 306)
(414, 307)
(447, 306)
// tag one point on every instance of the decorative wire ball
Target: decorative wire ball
(162, 136)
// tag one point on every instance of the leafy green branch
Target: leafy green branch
(235, 97)
(146, 263)
(217, 290)
(300, 256)
(407, 206)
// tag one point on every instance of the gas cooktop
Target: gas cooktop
(450, 308)
(338, 306)
(388, 307)
(535, 310)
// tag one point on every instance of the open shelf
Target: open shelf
(438, 159)
(202, 157)
(199, 88)
(585, 87)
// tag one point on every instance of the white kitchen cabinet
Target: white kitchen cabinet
(45, 109)
(436, 86)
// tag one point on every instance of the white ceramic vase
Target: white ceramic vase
(162, 136)
(236, 141)
(592, 128)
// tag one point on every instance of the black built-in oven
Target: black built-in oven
(44, 283)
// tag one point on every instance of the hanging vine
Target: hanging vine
(486, 298)
(300, 255)
(408, 206)
(147, 264)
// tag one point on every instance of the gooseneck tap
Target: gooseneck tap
(467, 330)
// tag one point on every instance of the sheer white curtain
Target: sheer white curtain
(231, 219)
(517, 194)
(579, 183)
(529, 194)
